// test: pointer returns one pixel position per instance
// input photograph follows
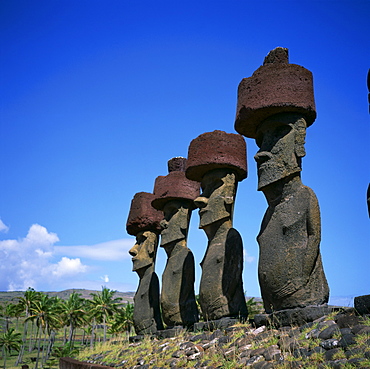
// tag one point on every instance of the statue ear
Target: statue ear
(229, 181)
(300, 135)
(184, 214)
(150, 243)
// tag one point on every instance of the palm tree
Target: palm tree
(104, 306)
(8, 312)
(123, 319)
(9, 341)
(74, 313)
(45, 313)
(25, 303)
(13, 311)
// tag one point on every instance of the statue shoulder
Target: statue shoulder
(310, 193)
(234, 237)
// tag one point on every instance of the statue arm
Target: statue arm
(313, 233)
(311, 252)
(233, 266)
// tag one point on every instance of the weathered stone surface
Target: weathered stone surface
(142, 216)
(143, 222)
(329, 332)
(362, 304)
(358, 328)
(288, 344)
(69, 363)
(329, 344)
(275, 106)
(345, 321)
(227, 345)
(221, 287)
(218, 159)
(275, 87)
(174, 194)
(347, 340)
(147, 316)
(329, 355)
(291, 228)
(297, 316)
(262, 365)
(171, 332)
(272, 353)
(176, 164)
(211, 325)
(217, 149)
(178, 297)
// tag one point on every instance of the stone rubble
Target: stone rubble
(329, 342)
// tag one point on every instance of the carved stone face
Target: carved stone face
(281, 147)
(176, 221)
(143, 252)
(218, 191)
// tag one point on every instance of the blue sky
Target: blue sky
(97, 96)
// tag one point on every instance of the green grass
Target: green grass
(28, 357)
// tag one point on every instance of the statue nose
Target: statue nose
(201, 202)
(163, 223)
(133, 251)
(262, 156)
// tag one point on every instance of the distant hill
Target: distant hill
(13, 295)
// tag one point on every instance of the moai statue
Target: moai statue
(218, 160)
(143, 222)
(174, 195)
(275, 106)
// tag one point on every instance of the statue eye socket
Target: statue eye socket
(259, 140)
(141, 239)
(170, 210)
(282, 131)
(211, 186)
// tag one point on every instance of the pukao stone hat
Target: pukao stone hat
(142, 216)
(174, 186)
(217, 149)
(275, 87)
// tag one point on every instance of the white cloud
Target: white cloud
(107, 251)
(26, 262)
(247, 258)
(3, 228)
(39, 235)
(68, 266)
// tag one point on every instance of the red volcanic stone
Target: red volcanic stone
(142, 216)
(216, 149)
(275, 87)
(176, 164)
(278, 55)
(174, 186)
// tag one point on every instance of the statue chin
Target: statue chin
(169, 237)
(171, 241)
(269, 174)
(212, 218)
(141, 264)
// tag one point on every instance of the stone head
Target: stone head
(143, 222)
(218, 160)
(174, 195)
(217, 199)
(176, 219)
(144, 251)
(281, 141)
